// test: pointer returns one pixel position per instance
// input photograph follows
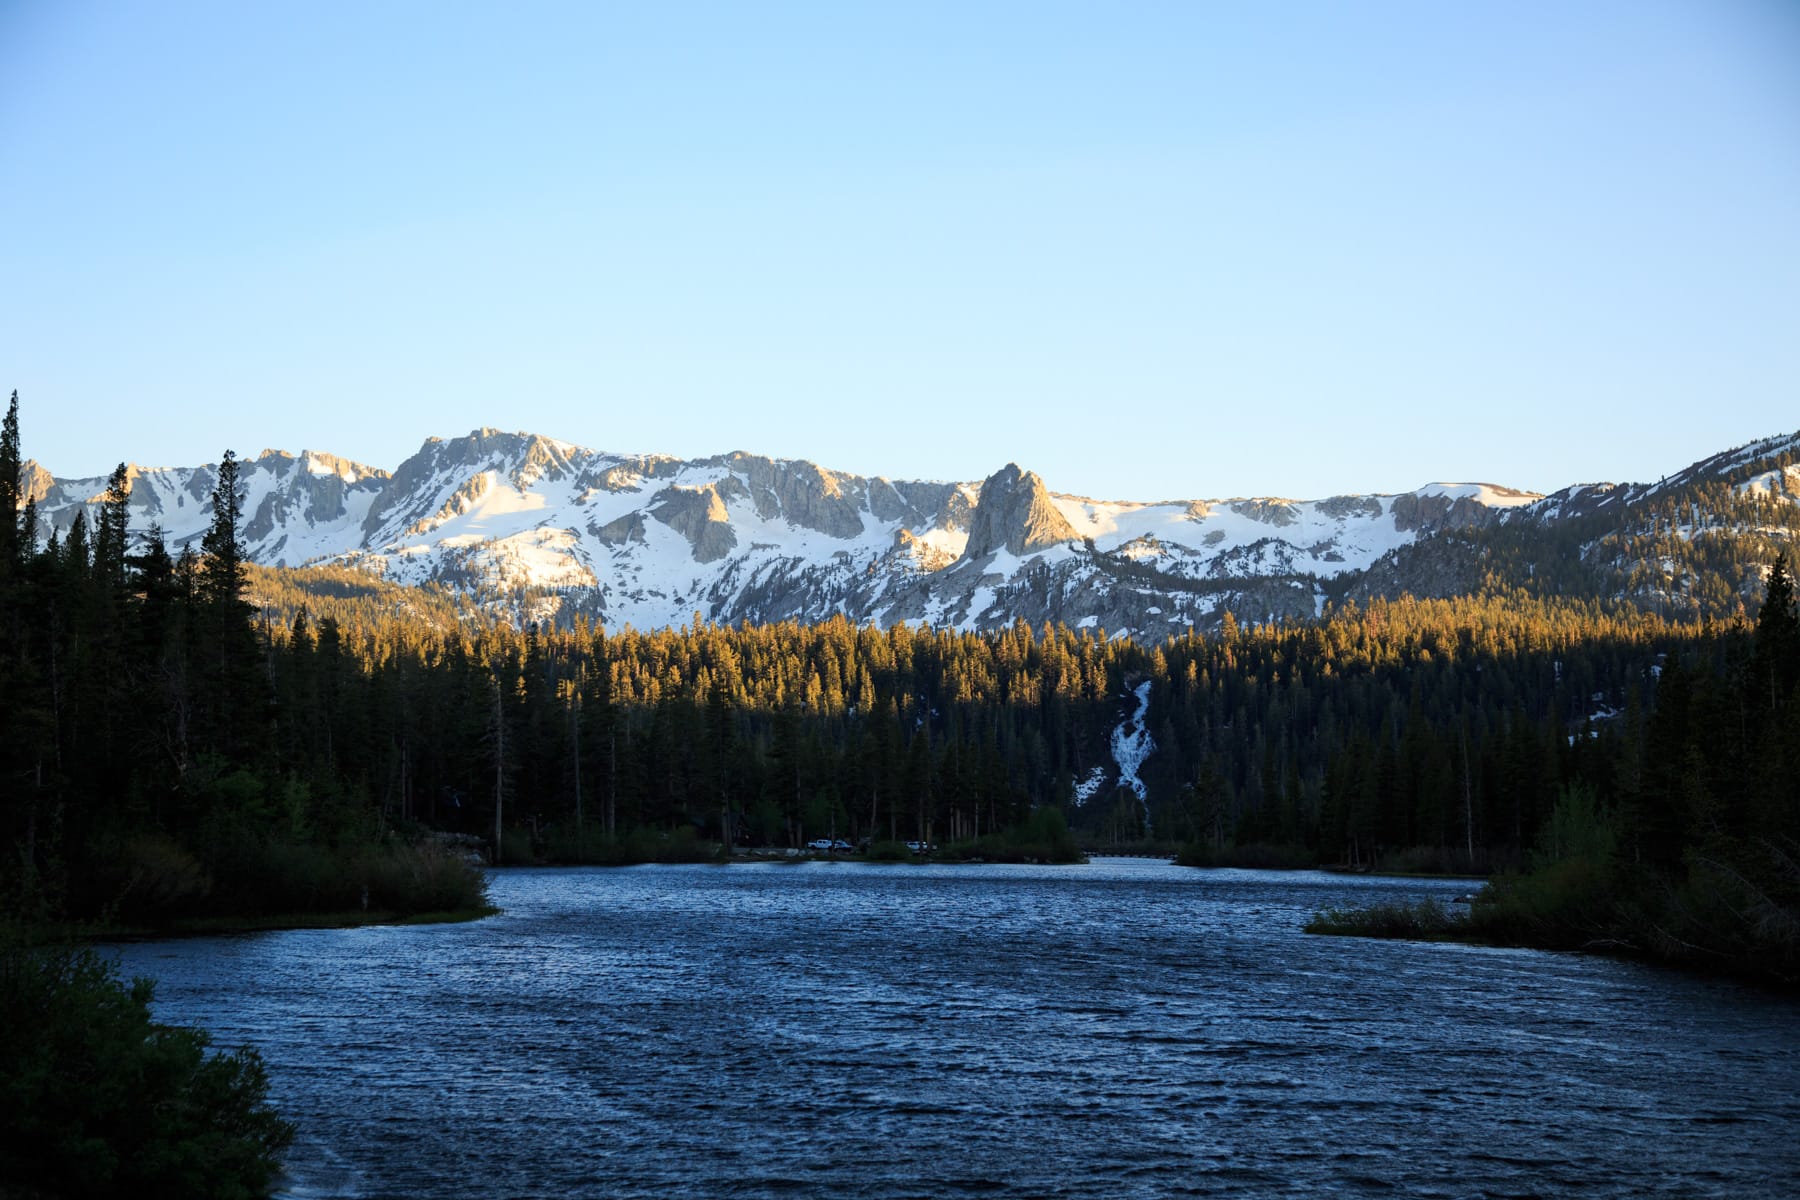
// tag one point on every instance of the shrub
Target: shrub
(1435, 860)
(1043, 837)
(1393, 919)
(1262, 856)
(422, 878)
(146, 878)
(682, 845)
(1579, 827)
(566, 844)
(1563, 905)
(516, 849)
(282, 877)
(386, 877)
(96, 1099)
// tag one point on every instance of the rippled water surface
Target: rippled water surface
(1119, 1029)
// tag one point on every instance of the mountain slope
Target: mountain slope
(552, 529)
(1691, 546)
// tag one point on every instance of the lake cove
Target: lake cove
(1127, 1027)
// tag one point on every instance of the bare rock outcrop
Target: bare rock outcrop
(1279, 513)
(1015, 513)
(1430, 513)
(34, 482)
(699, 515)
(803, 493)
(619, 532)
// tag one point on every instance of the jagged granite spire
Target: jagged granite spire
(1015, 513)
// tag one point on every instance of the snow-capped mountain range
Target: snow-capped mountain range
(651, 540)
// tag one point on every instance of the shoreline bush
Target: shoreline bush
(636, 847)
(1261, 856)
(153, 881)
(99, 1100)
(1423, 919)
(1043, 837)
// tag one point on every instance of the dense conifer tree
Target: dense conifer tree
(11, 502)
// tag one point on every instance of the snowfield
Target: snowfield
(649, 540)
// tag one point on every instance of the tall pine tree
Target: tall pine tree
(10, 499)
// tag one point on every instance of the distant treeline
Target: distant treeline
(1443, 724)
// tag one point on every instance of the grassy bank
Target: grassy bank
(150, 885)
(261, 923)
(1140, 848)
(1422, 862)
(634, 848)
(1259, 856)
(1715, 921)
(1042, 838)
(1425, 920)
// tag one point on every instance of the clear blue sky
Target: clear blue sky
(1150, 251)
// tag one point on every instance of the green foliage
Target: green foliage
(1695, 858)
(681, 845)
(1578, 828)
(164, 759)
(385, 877)
(1423, 919)
(516, 849)
(222, 567)
(10, 492)
(151, 877)
(97, 1100)
(1434, 860)
(1043, 838)
(1262, 856)
(1567, 904)
(1729, 918)
(422, 878)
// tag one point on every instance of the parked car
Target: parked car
(822, 845)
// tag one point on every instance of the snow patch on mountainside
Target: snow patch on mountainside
(1090, 785)
(1131, 745)
(650, 540)
(1779, 485)
(1211, 539)
(1486, 493)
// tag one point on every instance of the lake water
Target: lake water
(1126, 1028)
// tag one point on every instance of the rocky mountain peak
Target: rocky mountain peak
(1015, 513)
(34, 482)
(648, 540)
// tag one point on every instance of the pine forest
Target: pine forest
(191, 735)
